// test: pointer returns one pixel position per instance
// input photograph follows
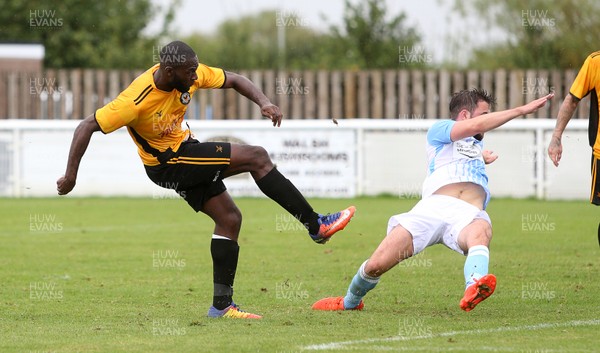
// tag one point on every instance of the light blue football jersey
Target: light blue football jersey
(453, 162)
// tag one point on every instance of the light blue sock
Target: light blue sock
(476, 265)
(360, 285)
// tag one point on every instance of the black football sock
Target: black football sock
(225, 258)
(279, 189)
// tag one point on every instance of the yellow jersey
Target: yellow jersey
(153, 117)
(586, 82)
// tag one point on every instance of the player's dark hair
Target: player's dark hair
(468, 99)
(176, 54)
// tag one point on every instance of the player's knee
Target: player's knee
(260, 156)
(483, 235)
(231, 221)
(486, 231)
(374, 267)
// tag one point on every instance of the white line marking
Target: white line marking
(342, 345)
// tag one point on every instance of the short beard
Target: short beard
(181, 88)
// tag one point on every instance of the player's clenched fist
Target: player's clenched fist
(64, 185)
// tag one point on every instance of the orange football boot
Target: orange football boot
(478, 292)
(334, 304)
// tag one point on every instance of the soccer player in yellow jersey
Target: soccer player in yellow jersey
(152, 108)
(586, 82)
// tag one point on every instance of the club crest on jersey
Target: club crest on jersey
(185, 98)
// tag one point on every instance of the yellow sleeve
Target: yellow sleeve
(583, 82)
(116, 114)
(209, 77)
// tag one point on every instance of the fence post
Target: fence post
(12, 101)
(3, 95)
(500, 92)
(376, 91)
(458, 81)
(62, 102)
(350, 98)
(431, 96)
(418, 94)
(49, 112)
(310, 103)
(76, 87)
(100, 89)
(390, 95)
(323, 101)
(88, 93)
(336, 95)
(515, 88)
(445, 94)
(403, 94)
(364, 96)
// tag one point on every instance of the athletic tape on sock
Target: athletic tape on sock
(479, 250)
(222, 289)
(215, 236)
(365, 276)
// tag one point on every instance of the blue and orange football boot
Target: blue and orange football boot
(332, 223)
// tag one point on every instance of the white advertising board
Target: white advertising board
(320, 162)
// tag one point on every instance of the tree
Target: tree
(99, 34)
(540, 33)
(367, 39)
(251, 42)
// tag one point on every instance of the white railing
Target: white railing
(355, 157)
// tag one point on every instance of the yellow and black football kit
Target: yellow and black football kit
(172, 158)
(586, 82)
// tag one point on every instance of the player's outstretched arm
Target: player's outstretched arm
(245, 87)
(564, 115)
(81, 139)
(487, 122)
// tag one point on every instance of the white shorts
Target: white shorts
(437, 219)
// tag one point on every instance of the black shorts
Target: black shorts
(195, 171)
(595, 193)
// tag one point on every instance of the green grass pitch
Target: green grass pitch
(134, 275)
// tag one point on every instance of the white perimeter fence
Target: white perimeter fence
(356, 157)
